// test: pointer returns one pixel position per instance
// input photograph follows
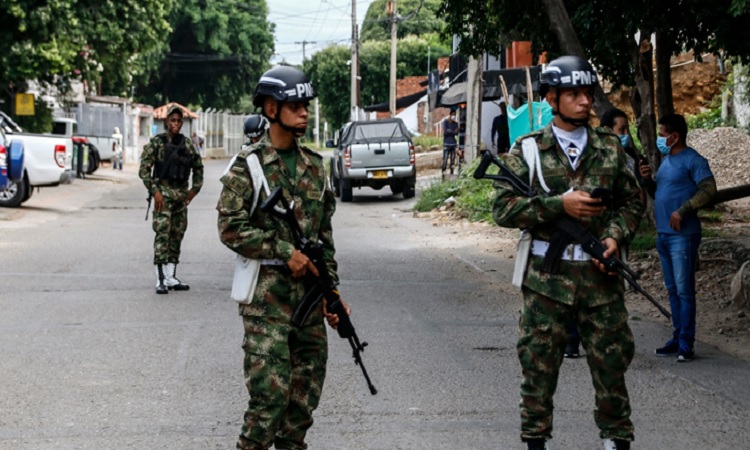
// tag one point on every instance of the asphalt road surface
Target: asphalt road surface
(92, 358)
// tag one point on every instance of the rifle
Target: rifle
(571, 230)
(319, 287)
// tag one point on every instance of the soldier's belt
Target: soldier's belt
(573, 252)
(272, 262)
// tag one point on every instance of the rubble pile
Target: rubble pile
(727, 151)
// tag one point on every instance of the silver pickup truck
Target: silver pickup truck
(374, 154)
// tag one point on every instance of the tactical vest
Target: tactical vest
(178, 161)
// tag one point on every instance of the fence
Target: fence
(222, 132)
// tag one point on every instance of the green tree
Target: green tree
(217, 52)
(377, 25)
(332, 75)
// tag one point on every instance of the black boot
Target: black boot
(161, 288)
(536, 444)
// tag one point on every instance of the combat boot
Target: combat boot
(171, 281)
(616, 444)
(537, 444)
(161, 288)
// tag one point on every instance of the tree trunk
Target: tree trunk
(566, 35)
(732, 193)
(644, 81)
(664, 102)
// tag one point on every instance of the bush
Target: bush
(707, 119)
(427, 141)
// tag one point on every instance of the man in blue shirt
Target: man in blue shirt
(684, 183)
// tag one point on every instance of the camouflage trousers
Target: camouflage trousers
(285, 367)
(609, 346)
(169, 225)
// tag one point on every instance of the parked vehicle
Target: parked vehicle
(48, 159)
(11, 162)
(374, 154)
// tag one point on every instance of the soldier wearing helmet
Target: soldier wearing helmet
(284, 365)
(255, 128)
(166, 165)
(567, 160)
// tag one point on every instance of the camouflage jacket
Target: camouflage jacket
(264, 236)
(154, 152)
(603, 164)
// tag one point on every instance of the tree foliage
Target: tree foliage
(331, 74)
(377, 24)
(56, 41)
(217, 52)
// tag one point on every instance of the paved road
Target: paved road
(93, 359)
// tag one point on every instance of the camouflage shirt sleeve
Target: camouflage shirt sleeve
(626, 211)
(197, 168)
(512, 210)
(148, 159)
(239, 231)
(326, 234)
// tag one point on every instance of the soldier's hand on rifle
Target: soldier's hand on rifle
(333, 319)
(612, 249)
(299, 264)
(158, 201)
(579, 204)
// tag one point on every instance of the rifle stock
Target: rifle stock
(572, 227)
(320, 287)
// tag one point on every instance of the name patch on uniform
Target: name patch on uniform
(313, 195)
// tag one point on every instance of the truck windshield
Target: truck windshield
(378, 131)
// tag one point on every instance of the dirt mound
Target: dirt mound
(727, 151)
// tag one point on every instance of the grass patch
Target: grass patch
(427, 141)
(473, 197)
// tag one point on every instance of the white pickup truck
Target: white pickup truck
(49, 159)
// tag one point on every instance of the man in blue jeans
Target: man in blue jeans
(450, 131)
(684, 183)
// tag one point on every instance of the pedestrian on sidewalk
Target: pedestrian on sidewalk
(569, 159)
(117, 149)
(285, 365)
(684, 183)
(167, 162)
(450, 131)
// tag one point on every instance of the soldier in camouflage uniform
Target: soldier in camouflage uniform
(166, 164)
(574, 158)
(285, 366)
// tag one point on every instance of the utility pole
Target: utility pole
(353, 111)
(394, 41)
(304, 44)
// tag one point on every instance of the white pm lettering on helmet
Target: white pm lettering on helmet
(304, 90)
(580, 76)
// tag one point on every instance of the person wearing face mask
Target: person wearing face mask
(684, 183)
(567, 160)
(450, 131)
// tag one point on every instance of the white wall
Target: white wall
(741, 107)
(410, 115)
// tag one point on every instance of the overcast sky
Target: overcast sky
(321, 21)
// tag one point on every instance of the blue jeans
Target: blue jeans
(679, 256)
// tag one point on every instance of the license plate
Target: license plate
(379, 174)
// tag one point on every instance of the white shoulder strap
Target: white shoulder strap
(259, 179)
(531, 155)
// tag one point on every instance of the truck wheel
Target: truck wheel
(29, 189)
(397, 187)
(346, 190)
(93, 162)
(410, 187)
(14, 194)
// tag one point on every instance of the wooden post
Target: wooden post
(530, 96)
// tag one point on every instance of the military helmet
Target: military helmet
(567, 72)
(255, 126)
(284, 84)
(175, 109)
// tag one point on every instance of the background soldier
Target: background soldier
(166, 163)
(284, 365)
(255, 128)
(574, 158)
